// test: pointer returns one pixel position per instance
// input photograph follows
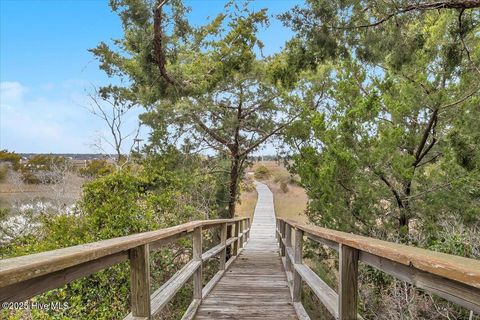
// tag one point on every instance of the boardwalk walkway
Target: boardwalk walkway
(255, 286)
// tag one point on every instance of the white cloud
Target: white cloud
(36, 119)
(11, 91)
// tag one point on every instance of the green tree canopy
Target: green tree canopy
(380, 143)
(203, 86)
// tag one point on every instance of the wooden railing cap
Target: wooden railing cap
(22, 268)
(452, 267)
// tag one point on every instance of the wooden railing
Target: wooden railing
(24, 277)
(453, 278)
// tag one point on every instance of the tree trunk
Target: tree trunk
(234, 173)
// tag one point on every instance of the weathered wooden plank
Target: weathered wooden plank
(211, 284)
(300, 311)
(452, 267)
(297, 259)
(241, 234)
(325, 294)
(24, 290)
(212, 252)
(231, 240)
(223, 242)
(348, 283)
(288, 247)
(459, 293)
(230, 261)
(140, 281)
(289, 275)
(192, 309)
(21, 268)
(236, 234)
(331, 244)
(278, 233)
(289, 256)
(167, 291)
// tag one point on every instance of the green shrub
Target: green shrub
(112, 206)
(285, 178)
(97, 168)
(262, 173)
(247, 185)
(10, 157)
(163, 191)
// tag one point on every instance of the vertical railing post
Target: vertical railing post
(279, 236)
(248, 228)
(288, 244)
(276, 228)
(140, 281)
(197, 256)
(223, 242)
(297, 279)
(242, 236)
(235, 243)
(348, 286)
(282, 236)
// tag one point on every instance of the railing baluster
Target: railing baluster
(197, 255)
(235, 243)
(279, 233)
(140, 281)
(348, 286)
(240, 231)
(297, 279)
(223, 241)
(282, 235)
(288, 243)
(276, 229)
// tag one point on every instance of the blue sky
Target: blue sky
(46, 70)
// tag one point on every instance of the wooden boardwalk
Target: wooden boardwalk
(255, 286)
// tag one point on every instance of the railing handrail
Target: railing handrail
(454, 278)
(449, 266)
(26, 276)
(22, 268)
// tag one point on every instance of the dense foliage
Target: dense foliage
(389, 134)
(96, 168)
(161, 191)
(201, 86)
(388, 143)
(10, 157)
